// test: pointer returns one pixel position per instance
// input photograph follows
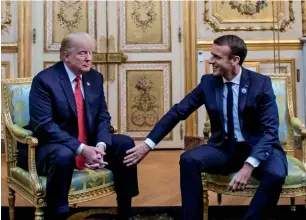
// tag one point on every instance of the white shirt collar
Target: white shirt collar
(71, 74)
(235, 80)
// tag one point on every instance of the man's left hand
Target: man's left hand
(102, 163)
(136, 154)
(242, 178)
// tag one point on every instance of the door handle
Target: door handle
(105, 58)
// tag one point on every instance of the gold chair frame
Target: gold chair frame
(36, 195)
(294, 125)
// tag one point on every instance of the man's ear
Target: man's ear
(66, 56)
(236, 60)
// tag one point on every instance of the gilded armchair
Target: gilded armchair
(295, 183)
(86, 184)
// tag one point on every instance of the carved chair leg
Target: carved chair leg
(39, 214)
(11, 200)
(293, 207)
(219, 195)
(206, 203)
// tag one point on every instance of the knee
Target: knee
(187, 159)
(64, 157)
(125, 142)
(275, 179)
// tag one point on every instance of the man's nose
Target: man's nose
(89, 57)
(211, 60)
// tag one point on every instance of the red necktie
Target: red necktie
(82, 137)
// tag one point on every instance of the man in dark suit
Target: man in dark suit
(68, 115)
(244, 132)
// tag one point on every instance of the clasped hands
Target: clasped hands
(94, 157)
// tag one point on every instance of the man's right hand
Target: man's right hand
(92, 156)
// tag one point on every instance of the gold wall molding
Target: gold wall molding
(262, 45)
(282, 27)
(6, 65)
(21, 27)
(24, 38)
(9, 48)
(190, 53)
(303, 2)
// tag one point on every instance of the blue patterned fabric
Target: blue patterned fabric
(82, 180)
(279, 87)
(18, 95)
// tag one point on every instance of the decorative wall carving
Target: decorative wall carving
(148, 8)
(77, 17)
(228, 15)
(145, 96)
(63, 17)
(9, 22)
(144, 106)
(144, 26)
(6, 18)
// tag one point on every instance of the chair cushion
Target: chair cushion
(18, 96)
(82, 180)
(296, 176)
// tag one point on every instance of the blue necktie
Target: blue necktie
(230, 119)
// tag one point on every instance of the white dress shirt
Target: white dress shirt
(237, 131)
(72, 77)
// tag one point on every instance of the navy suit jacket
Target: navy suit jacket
(53, 114)
(258, 113)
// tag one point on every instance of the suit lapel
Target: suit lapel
(87, 94)
(219, 98)
(243, 93)
(66, 84)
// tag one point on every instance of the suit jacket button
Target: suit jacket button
(225, 137)
(267, 154)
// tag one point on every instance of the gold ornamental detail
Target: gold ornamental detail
(6, 21)
(62, 17)
(144, 104)
(215, 26)
(247, 7)
(143, 14)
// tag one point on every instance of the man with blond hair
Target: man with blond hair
(68, 115)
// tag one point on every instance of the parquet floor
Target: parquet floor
(158, 176)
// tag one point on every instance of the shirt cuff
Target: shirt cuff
(101, 143)
(253, 161)
(150, 143)
(79, 150)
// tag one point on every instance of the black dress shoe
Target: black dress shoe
(62, 216)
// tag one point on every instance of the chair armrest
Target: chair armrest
(298, 126)
(25, 136)
(206, 131)
(113, 130)
(300, 129)
(22, 135)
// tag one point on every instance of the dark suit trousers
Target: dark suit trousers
(57, 162)
(215, 160)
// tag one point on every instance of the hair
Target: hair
(236, 44)
(72, 40)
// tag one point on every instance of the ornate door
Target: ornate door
(139, 52)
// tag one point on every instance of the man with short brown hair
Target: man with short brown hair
(244, 132)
